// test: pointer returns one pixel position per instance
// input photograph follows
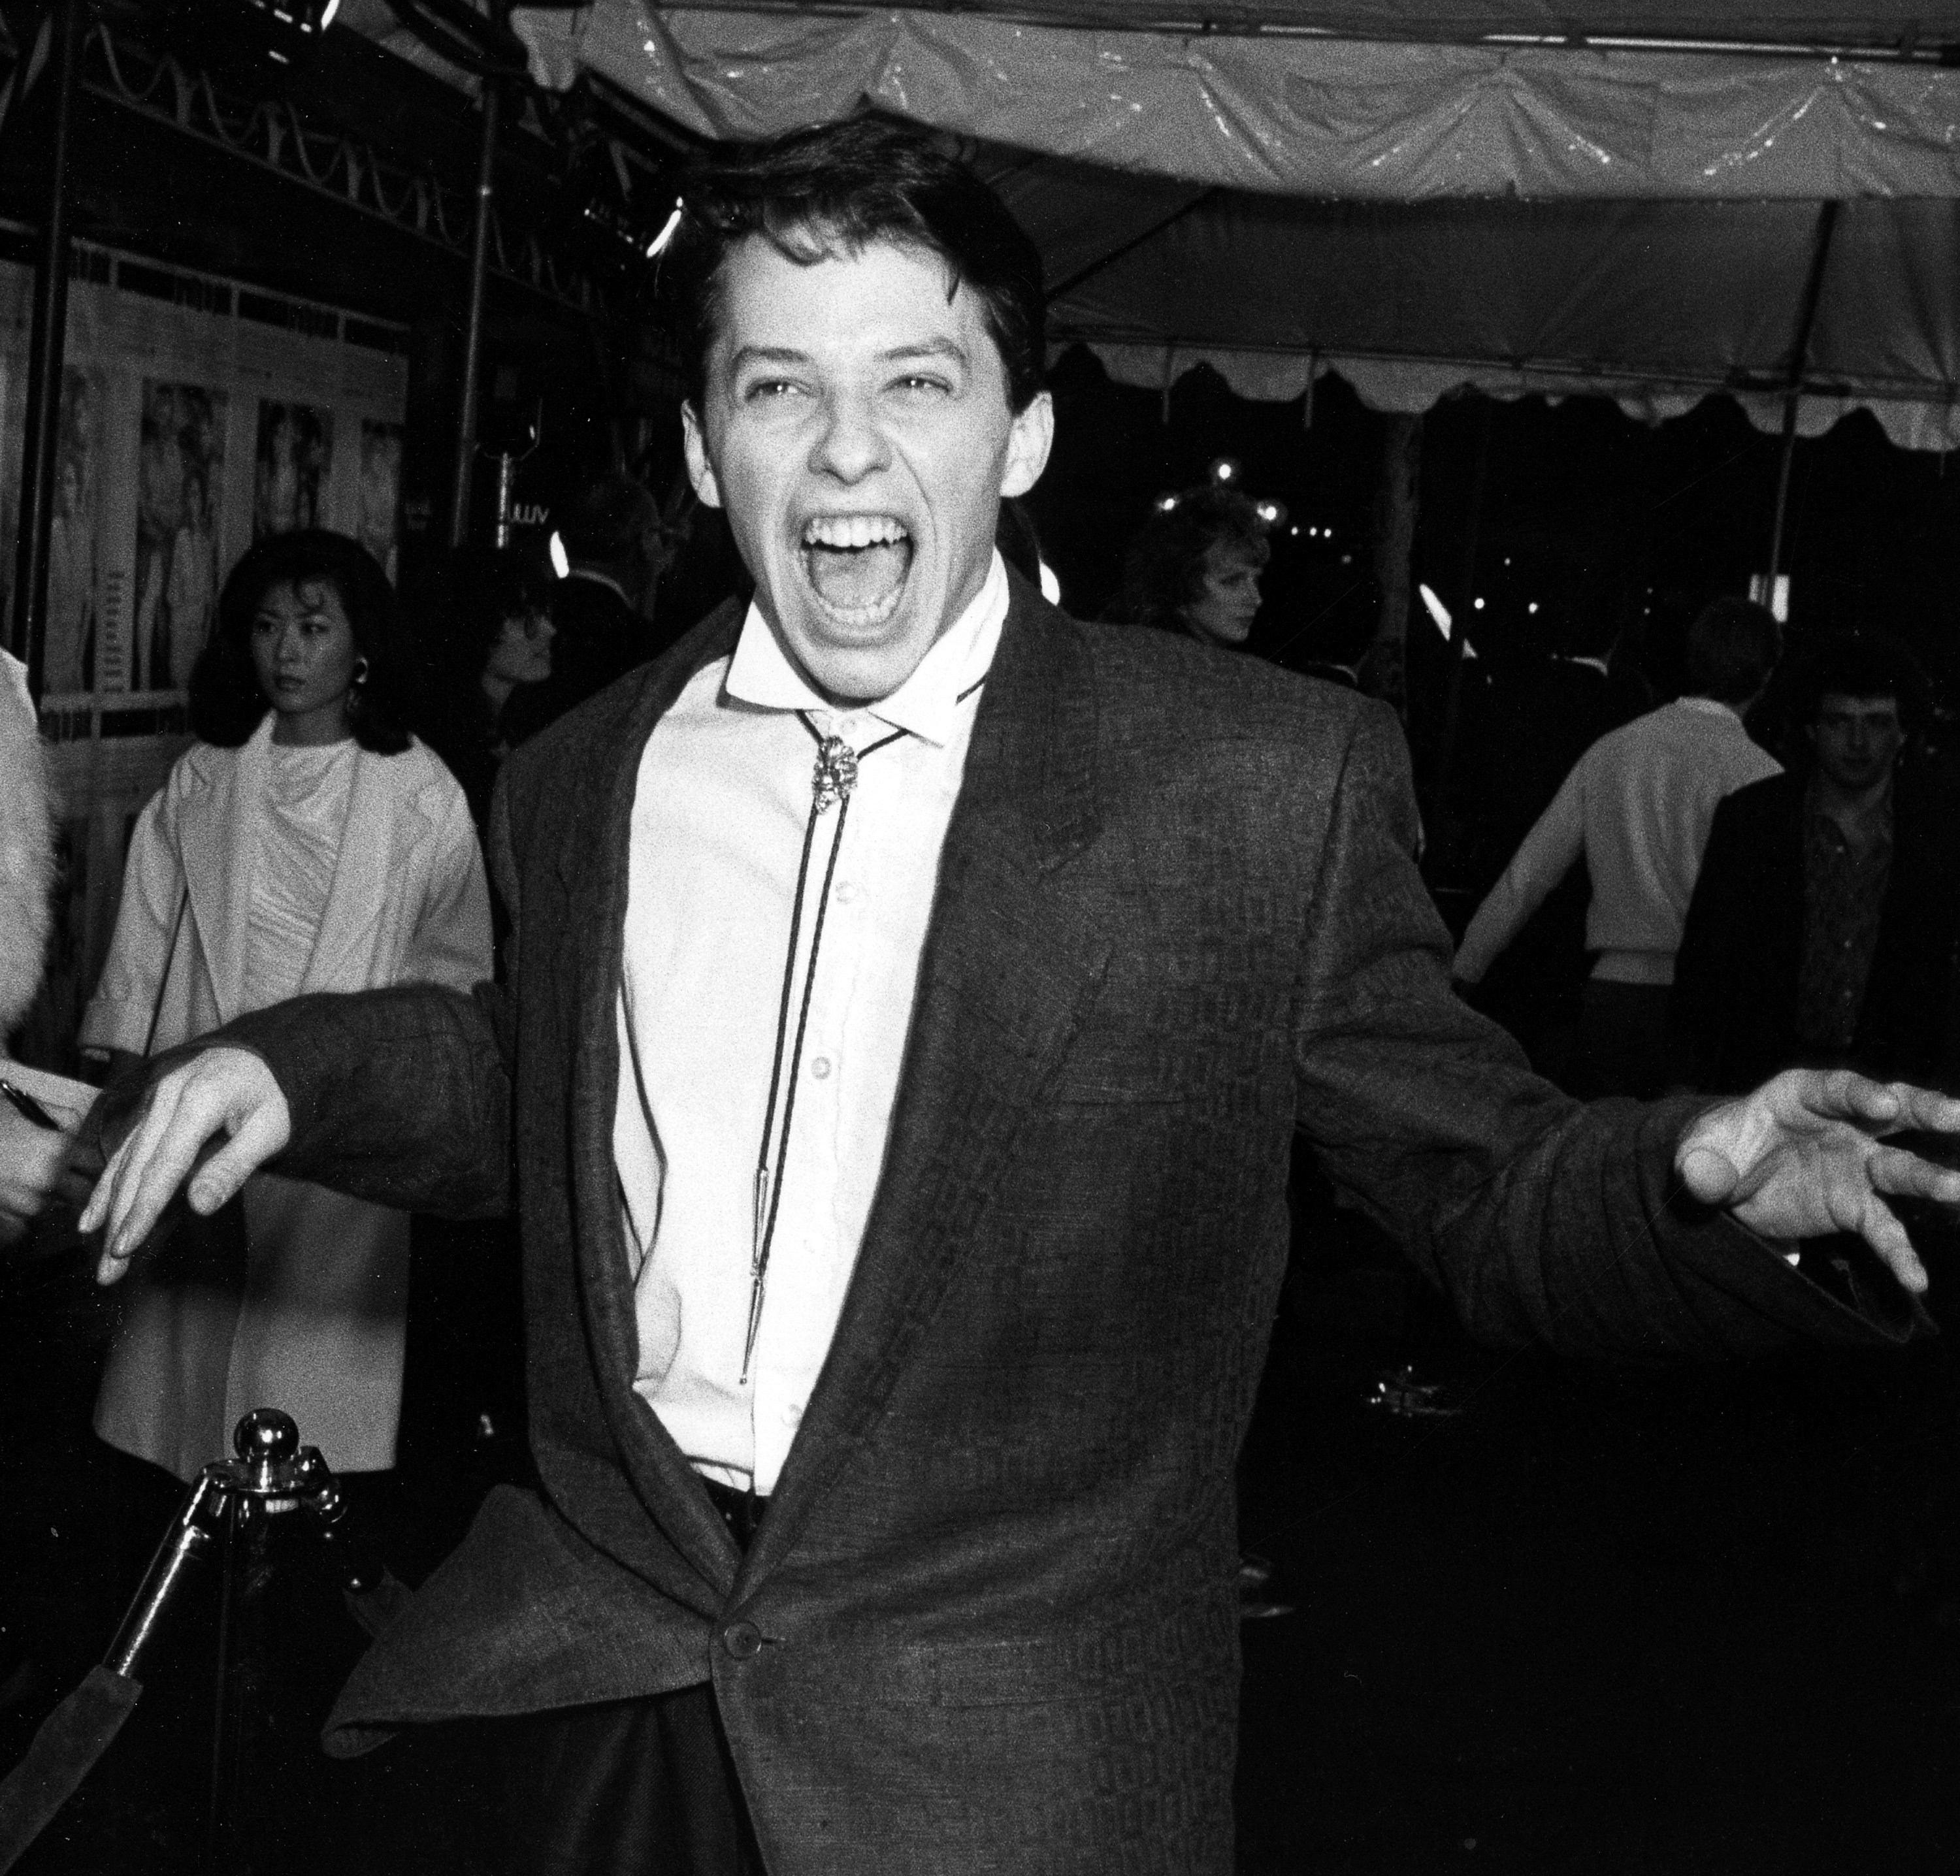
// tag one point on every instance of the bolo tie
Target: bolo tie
(833, 780)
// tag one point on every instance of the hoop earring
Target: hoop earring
(360, 674)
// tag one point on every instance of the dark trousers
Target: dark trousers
(633, 1787)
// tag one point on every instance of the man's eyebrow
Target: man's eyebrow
(767, 354)
(926, 348)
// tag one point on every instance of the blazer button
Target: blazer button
(743, 1639)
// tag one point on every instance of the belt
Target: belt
(741, 1512)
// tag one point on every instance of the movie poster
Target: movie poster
(380, 490)
(73, 596)
(295, 467)
(180, 483)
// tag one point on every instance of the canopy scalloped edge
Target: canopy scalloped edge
(1355, 119)
(1412, 385)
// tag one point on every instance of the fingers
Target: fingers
(1892, 1169)
(1878, 1106)
(147, 1168)
(1852, 1203)
(1876, 1103)
(224, 1090)
(1878, 1226)
(1921, 1110)
(102, 1206)
(260, 1135)
(1835, 1093)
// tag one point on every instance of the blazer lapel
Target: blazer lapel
(1011, 960)
(595, 873)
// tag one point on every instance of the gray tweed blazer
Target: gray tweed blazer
(989, 1621)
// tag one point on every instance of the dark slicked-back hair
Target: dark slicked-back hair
(1164, 568)
(1864, 665)
(817, 194)
(226, 702)
(1732, 647)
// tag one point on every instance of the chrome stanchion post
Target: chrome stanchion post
(267, 1479)
(229, 1513)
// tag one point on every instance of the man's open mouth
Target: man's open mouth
(856, 565)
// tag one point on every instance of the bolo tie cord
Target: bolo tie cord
(835, 776)
(833, 779)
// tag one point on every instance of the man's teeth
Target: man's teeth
(852, 530)
(856, 566)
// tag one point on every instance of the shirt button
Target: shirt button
(846, 892)
(743, 1639)
(792, 1415)
(820, 1066)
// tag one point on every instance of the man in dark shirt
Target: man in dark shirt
(1823, 923)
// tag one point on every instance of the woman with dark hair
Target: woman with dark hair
(490, 635)
(1193, 566)
(307, 842)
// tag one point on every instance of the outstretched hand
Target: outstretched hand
(220, 1091)
(1805, 1155)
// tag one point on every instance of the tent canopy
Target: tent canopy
(1905, 25)
(1647, 222)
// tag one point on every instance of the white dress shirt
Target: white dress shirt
(720, 811)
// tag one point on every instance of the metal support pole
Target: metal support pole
(1398, 496)
(1799, 360)
(507, 481)
(473, 340)
(1788, 457)
(46, 350)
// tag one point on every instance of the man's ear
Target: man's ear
(1028, 442)
(700, 470)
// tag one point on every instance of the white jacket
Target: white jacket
(315, 1324)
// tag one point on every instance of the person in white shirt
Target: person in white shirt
(1636, 808)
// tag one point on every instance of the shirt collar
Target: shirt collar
(927, 703)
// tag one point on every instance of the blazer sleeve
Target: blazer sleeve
(1542, 1218)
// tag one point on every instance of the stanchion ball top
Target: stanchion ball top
(265, 1435)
